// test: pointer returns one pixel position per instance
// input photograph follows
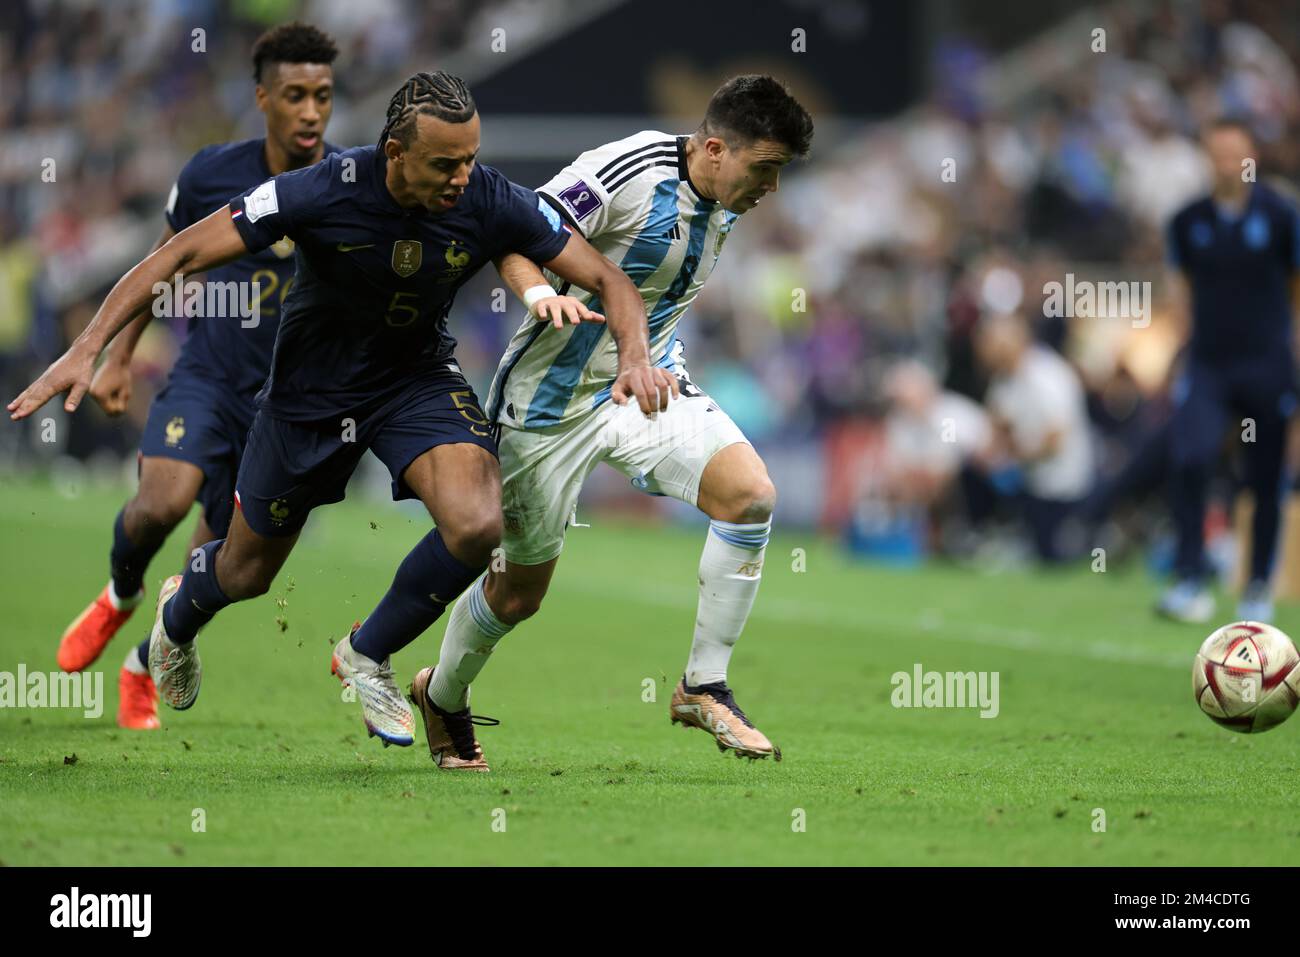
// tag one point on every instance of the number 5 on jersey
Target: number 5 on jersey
(401, 313)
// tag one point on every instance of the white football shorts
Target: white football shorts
(542, 470)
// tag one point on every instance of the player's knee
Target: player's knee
(473, 537)
(518, 606)
(246, 579)
(161, 511)
(751, 503)
(759, 501)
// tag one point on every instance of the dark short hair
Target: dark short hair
(292, 43)
(430, 94)
(754, 107)
(1231, 123)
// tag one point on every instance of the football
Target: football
(1245, 677)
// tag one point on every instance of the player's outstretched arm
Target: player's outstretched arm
(111, 386)
(208, 243)
(525, 279)
(582, 265)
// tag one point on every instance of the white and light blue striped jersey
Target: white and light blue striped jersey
(634, 201)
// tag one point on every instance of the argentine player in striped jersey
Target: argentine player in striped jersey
(661, 207)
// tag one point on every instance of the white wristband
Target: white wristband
(534, 295)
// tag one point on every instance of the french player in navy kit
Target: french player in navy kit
(1238, 252)
(194, 436)
(384, 236)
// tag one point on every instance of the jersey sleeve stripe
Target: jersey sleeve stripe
(605, 180)
(637, 172)
(628, 155)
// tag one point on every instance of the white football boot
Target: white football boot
(1187, 601)
(175, 669)
(385, 709)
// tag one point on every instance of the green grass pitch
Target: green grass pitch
(1096, 712)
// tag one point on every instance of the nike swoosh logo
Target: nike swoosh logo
(345, 248)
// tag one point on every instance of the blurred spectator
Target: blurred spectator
(1041, 429)
(929, 435)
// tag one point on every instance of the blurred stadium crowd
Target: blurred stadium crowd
(840, 331)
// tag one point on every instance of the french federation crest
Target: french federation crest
(282, 247)
(407, 256)
(457, 260)
(175, 431)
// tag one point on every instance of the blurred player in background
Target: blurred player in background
(363, 361)
(660, 206)
(191, 445)
(1235, 254)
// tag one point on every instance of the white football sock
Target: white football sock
(132, 663)
(731, 568)
(472, 633)
(120, 603)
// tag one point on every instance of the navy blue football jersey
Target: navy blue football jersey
(1239, 269)
(375, 282)
(224, 350)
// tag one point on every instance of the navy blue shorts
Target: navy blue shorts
(289, 468)
(205, 424)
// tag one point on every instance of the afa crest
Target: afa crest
(407, 256)
(175, 431)
(723, 231)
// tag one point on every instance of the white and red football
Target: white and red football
(1245, 677)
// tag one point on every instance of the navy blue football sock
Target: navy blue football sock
(128, 561)
(428, 579)
(142, 653)
(198, 599)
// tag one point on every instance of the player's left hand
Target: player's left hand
(556, 309)
(70, 373)
(652, 387)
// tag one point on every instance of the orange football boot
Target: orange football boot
(137, 705)
(86, 638)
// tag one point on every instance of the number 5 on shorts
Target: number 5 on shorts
(465, 404)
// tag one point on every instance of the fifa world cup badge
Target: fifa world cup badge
(407, 256)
